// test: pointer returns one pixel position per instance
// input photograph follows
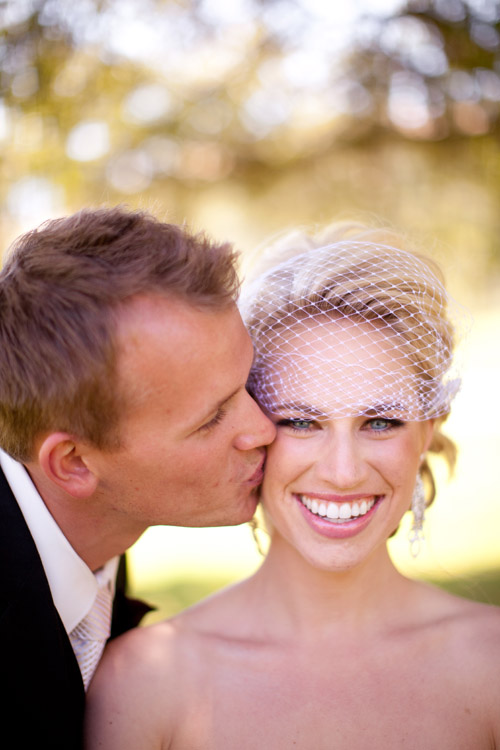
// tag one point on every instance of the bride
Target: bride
(327, 645)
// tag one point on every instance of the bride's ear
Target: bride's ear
(61, 457)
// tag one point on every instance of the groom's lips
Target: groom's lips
(258, 475)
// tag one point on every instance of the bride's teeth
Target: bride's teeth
(332, 511)
(345, 510)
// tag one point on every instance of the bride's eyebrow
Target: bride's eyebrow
(383, 408)
(394, 408)
(298, 408)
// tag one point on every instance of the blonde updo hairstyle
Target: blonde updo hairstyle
(364, 286)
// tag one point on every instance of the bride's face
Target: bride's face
(337, 487)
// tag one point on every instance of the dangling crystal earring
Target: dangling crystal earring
(416, 535)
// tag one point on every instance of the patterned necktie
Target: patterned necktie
(90, 635)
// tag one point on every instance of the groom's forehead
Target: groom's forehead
(182, 359)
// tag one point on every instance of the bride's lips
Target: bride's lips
(342, 523)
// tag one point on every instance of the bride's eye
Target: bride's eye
(383, 424)
(299, 425)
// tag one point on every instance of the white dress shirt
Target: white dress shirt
(72, 584)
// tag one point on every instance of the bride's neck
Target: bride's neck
(301, 596)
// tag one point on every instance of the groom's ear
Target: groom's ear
(61, 458)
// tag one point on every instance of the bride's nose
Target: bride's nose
(341, 462)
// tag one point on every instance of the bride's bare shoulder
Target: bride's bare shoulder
(460, 614)
(479, 627)
(471, 631)
(476, 653)
(132, 700)
(142, 686)
(175, 640)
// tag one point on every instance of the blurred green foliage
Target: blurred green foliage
(249, 116)
(174, 596)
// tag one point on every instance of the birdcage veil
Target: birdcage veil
(381, 296)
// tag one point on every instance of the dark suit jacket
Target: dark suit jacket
(41, 689)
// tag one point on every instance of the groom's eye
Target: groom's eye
(216, 419)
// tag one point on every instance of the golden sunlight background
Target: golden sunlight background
(249, 117)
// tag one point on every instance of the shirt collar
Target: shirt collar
(72, 584)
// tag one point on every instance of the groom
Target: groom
(123, 363)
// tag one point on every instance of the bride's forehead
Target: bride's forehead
(339, 339)
(339, 365)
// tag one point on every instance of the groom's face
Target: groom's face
(192, 438)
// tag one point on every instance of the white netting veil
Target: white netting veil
(365, 326)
